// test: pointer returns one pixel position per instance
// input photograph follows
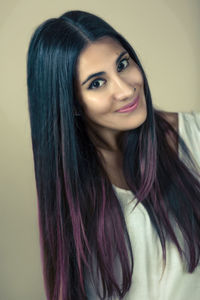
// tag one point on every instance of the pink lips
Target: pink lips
(130, 106)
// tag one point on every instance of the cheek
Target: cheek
(97, 105)
(140, 78)
(135, 76)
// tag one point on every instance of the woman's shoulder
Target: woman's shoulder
(187, 125)
(189, 130)
(178, 119)
(172, 118)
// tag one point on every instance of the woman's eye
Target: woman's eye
(123, 64)
(96, 84)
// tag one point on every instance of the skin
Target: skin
(102, 95)
(172, 118)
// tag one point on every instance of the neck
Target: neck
(106, 140)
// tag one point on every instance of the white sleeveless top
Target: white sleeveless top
(147, 283)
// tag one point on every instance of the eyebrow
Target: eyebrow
(103, 73)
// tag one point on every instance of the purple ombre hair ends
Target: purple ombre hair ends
(82, 226)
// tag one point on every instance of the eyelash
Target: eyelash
(98, 79)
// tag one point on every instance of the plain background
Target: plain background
(165, 35)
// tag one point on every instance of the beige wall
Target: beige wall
(165, 35)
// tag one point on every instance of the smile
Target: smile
(130, 107)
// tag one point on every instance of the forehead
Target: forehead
(97, 55)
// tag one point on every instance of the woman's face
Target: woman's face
(118, 83)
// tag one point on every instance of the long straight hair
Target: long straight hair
(80, 217)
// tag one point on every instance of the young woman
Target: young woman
(119, 211)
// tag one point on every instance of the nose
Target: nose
(122, 90)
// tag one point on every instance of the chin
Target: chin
(136, 120)
(138, 124)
